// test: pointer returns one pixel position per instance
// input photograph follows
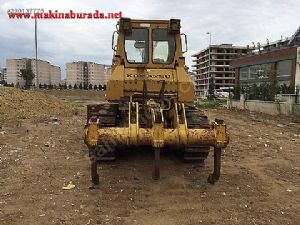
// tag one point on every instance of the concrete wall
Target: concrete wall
(296, 109)
(272, 108)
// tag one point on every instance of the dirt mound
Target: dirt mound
(22, 104)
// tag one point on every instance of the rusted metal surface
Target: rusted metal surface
(217, 166)
(156, 169)
(215, 137)
(94, 173)
(196, 141)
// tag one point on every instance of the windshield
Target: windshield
(136, 46)
(163, 45)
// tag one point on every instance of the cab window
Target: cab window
(136, 46)
(163, 46)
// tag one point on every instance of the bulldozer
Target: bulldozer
(150, 100)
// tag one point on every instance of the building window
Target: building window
(266, 68)
(254, 70)
(244, 73)
(284, 68)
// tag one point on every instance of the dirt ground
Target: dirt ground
(260, 181)
(20, 104)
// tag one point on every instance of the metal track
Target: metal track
(196, 119)
(106, 114)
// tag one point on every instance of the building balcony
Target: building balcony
(222, 72)
(224, 78)
(200, 79)
(224, 84)
(212, 65)
(196, 70)
(223, 53)
(201, 85)
(201, 63)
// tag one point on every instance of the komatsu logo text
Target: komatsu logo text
(149, 76)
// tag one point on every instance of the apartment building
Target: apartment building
(107, 73)
(85, 73)
(55, 75)
(192, 75)
(44, 71)
(14, 66)
(3, 74)
(213, 64)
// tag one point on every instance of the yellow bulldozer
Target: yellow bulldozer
(151, 100)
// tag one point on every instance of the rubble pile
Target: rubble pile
(22, 104)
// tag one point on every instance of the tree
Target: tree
(236, 92)
(253, 92)
(211, 89)
(95, 87)
(268, 88)
(80, 86)
(28, 76)
(75, 86)
(90, 86)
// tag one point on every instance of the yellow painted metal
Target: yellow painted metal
(221, 135)
(128, 78)
(91, 134)
(163, 138)
(157, 136)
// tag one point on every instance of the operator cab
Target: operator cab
(155, 43)
(148, 62)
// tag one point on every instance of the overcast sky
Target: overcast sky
(230, 21)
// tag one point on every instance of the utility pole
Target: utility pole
(36, 58)
(209, 33)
